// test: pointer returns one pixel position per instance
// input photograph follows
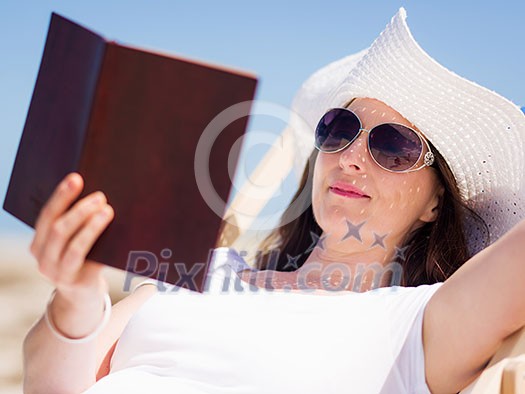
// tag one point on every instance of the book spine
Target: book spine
(96, 125)
(53, 137)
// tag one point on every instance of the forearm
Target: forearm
(52, 365)
(493, 283)
(506, 276)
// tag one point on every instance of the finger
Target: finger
(71, 183)
(76, 251)
(63, 229)
(62, 197)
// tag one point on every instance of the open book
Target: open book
(155, 132)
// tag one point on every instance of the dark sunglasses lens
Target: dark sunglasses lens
(395, 147)
(336, 129)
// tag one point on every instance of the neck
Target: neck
(355, 270)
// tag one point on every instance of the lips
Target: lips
(347, 190)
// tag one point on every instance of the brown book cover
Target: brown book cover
(129, 121)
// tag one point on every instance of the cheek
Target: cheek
(404, 197)
(318, 188)
(325, 213)
(401, 194)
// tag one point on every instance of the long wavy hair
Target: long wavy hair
(433, 251)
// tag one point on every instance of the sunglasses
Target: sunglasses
(393, 146)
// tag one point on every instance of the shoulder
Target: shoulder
(404, 306)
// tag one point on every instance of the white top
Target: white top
(258, 341)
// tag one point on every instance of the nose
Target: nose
(355, 155)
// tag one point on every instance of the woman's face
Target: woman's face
(395, 203)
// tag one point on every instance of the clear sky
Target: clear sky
(282, 42)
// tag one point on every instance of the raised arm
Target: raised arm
(62, 240)
(473, 312)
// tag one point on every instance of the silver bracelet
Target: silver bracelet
(84, 339)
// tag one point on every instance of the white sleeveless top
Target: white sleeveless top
(237, 339)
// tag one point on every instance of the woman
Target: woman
(382, 198)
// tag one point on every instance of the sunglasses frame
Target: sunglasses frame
(428, 156)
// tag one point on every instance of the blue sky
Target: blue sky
(283, 43)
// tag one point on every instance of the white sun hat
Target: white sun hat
(480, 134)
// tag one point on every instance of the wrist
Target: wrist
(77, 321)
(74, 299)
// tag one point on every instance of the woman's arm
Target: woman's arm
(470, 315)
(54, 366)
(65, 231)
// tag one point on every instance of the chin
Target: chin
(337, 213)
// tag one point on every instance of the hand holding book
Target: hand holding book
(64, 234)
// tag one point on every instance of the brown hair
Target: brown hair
(434, 251)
